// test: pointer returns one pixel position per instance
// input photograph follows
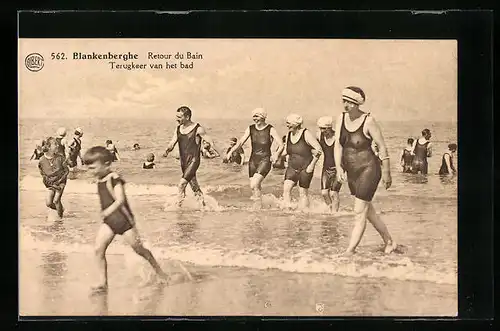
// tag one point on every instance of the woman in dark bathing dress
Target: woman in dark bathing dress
(357, 163)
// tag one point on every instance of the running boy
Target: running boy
(54, 173)
(116, 214)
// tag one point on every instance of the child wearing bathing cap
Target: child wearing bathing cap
(149, 164)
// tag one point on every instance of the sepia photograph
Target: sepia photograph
(237, 177)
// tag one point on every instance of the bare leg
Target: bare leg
(381, 228)
(256, 186)
(104, 237)
(335, 200)
(304, 197)
(197, 190)
(58, 202)
(134, 240)
(287, 191)
(182, 191)
(327, 198)
(360, 211)
(49, 201)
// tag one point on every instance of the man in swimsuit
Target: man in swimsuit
(357, 163)
(422, 149)
(330, 187)
(189, 136)
(447, 166)
(406, 156)
(303, 152)
(261, 135)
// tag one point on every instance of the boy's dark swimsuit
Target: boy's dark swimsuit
(122, 219)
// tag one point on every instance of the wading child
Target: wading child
(116, 214)
(54, 173)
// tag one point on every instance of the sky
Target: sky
(402, 79)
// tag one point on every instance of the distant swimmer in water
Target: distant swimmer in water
(447, 166)
(61, 140)
(422, 149)
(74, 149)
(208, 151)
(117, 217)
(54, 171)
(238, 156)
(112, 149)
(330, 186)
(136, 147)
(280, 163)
(261, 136)
(38, 152)
(150, 162)
(358, 165)
(406, 159)
(303, 152)
(189, 136)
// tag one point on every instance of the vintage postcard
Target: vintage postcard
(230, 177)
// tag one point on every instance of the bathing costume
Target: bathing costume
(299, 157)
(122, 219)
(407, 160)
(189, 152)
(329, 173)
(260, 158)
(420, 158)
(444, 168)
(360, 162)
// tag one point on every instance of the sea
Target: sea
(245, 261)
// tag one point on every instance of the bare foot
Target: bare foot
(390, 247)
(348, 253)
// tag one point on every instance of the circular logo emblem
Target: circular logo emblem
(34, 62)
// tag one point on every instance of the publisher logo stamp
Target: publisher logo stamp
(34, 62)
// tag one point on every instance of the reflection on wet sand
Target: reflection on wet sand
(54, 267)
(99, 304)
